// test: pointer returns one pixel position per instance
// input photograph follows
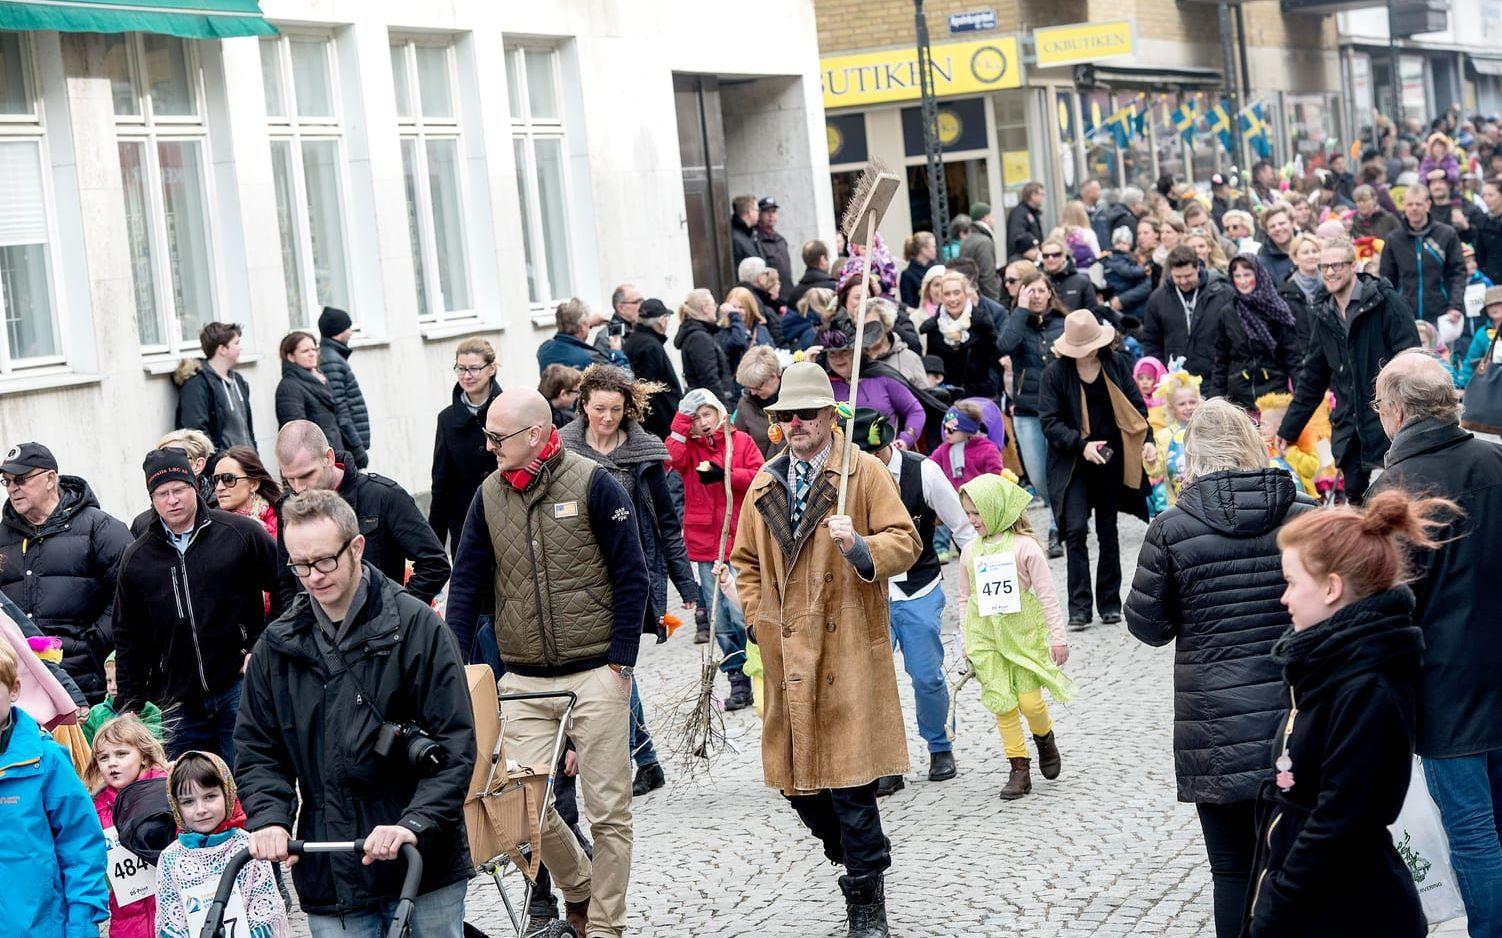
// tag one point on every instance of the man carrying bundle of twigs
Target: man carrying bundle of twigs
(813, 582)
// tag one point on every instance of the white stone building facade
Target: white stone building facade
(439, 169)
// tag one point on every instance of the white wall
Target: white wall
(626, 203)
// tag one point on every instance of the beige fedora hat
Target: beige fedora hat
(805, 385)
(1083, 334)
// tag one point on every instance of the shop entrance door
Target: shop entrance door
(965, 183)
(706, 198)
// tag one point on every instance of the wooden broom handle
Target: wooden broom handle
(855, 361)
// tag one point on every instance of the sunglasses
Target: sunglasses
(806, 414)
(226, 479)
(497, 439)
(1048, 254)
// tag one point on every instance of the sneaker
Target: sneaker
(1078, 625)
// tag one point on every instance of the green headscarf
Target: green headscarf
(999, 501)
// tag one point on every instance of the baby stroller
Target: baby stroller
(401, 919)
(506, 806)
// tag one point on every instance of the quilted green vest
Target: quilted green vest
(553, 598)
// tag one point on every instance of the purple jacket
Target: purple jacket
(888, 396)
(1448, 164)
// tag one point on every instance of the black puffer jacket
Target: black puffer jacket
(1246, 369)
(62, 574)
(1209, 578)
(1072, 287)
(301, 731)
(1029, 340)
(460, 464)
(1347, 361)
(704, 362)
(1325, 863)
(333, 361)
(301, 396)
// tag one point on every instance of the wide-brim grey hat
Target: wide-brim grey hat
(805, 385)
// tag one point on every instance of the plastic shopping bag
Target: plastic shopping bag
(1420, 838)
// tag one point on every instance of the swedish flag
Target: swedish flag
(1184, 120)
(1121, 125)
(1255, 129)
(1220, 123)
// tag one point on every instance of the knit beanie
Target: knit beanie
(333, 321)
(167, 465)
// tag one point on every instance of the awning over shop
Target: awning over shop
(1126, 76)
(1487, 65)
(190, 19)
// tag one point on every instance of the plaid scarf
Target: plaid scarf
(522, 479)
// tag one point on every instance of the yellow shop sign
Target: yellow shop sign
(1082, 42)
(982, 65)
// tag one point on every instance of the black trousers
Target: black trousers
(1231, 841)
(1092, 489)
(566, 801)
(1357, 478)
(848, 822)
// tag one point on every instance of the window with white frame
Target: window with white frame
(27, 297)
(537, 135)
(427, 114)
(164, 160)
(307, 166)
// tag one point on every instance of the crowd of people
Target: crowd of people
(1272, 377)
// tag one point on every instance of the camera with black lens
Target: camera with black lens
(407, 743)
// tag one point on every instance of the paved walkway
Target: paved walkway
(1105, 850)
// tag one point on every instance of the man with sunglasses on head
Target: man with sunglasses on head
(551, 546)
(188, 609)
(1356, 327)
(59, 553)
(356, 722)
(394, 528)
(1072, 287)
(813, 584)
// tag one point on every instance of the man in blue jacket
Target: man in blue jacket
(570, 346)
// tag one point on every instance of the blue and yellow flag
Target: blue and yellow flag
(1122, 124)
(1256, 131)
(1184, 120)
(1220, 123)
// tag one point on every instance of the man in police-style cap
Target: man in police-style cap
(772, 246)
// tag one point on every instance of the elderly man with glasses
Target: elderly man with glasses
(1357, 326)
(59, 553)
(551, 545)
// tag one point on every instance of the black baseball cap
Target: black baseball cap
(766, 202)
(26, 457)
(652, 308)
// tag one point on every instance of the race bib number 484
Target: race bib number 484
(997, 591)
(131, 878)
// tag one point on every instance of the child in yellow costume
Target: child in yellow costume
(1300, 457)
(1180, 392)
(1014, 628)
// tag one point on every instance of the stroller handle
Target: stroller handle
(400, 918)
(573, 698)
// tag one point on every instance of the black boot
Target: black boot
(888, 785)
(740, 692)
(701, 625)
(865, 906)
(1055, 549)
(1048, 755)
(648, 778)
(941, 767)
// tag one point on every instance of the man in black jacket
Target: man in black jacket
(1489, 233)
(59, 554)
(815, 274)
(625, 301)
(1025, 220)
(1459, 213)
(212, 396)
(1460, 691)
(743, 216)
(1073, 288)
(1422, 259)
(1277, 224)
(394, 529)
(773, 247)
(1358, 325)
(335, 327)
(189, 607)
(329, 684)
(646, 347)
(1182, 317)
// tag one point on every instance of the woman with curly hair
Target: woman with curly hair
(609, 431)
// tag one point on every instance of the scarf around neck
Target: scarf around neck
(1308, 284)
(1262, 306)
(522, 479)
(956, 331)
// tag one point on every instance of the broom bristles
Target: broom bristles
(873, 193)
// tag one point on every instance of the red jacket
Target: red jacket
(704, 504)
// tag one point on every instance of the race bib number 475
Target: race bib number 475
(997, 591)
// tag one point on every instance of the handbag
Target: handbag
(1481, 409)
(1419, 835)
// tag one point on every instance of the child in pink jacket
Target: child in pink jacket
(125, 751)
(966, 451)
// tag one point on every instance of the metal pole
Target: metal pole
(1246, 79)
(933, 148)
(1228, 56)
(1397, 94)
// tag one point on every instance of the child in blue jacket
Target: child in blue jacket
(53, 864)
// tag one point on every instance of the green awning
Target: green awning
(190, 19)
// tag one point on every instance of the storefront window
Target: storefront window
(965, 181)
(1311, 127)
(1137, 158)
(1101, 159)
(1168, 144)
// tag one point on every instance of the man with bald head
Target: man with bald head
(395, 530)
(1460, 691)
(551, 547)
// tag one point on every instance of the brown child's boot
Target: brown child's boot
(1020, 782)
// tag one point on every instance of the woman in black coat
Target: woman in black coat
(304, 394)
(1257, 341)
(460, 460)
(705, 364)
(1209, 579)
(1326, 864)
(963, 336)
(1096, 425)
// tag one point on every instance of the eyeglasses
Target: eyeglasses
(322, 564)
(497, 439)
(11, 482)
(1011, 279)
(806, 414)
(470, 369)
(226, 479)
(1377, 403)
(1334, 266)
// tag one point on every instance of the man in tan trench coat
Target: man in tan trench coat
(814, 588)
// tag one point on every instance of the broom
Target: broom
(873, 195)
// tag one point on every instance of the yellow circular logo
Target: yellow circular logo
(950, 127)
(834, 139)
(988, 65)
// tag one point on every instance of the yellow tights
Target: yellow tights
(1032, 706)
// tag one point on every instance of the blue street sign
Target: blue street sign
(972, 22)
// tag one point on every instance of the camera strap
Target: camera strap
(361, 694)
